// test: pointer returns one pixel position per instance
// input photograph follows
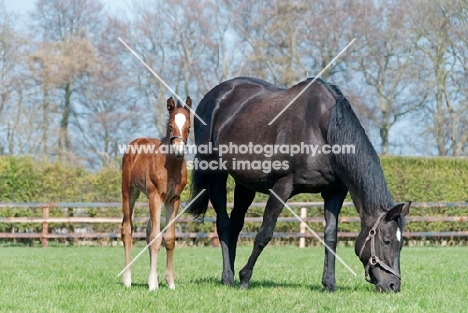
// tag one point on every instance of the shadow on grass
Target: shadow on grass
(261, 284)
(162, 285)
(139, 285)
(288, 285)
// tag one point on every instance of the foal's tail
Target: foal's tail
(199, 182)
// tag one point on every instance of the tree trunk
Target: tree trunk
(64, 143)
(384, 138)
(45, 118)
(439, 119)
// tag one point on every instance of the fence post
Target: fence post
(302, 229)
(45, 226)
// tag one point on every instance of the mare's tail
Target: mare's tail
(199, 182)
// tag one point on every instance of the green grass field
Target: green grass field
(286, 279)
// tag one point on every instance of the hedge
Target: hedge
(23, 179)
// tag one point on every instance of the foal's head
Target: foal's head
(379, 246)
(178, 127)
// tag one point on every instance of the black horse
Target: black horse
(237, 112)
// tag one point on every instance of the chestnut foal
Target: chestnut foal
(159, 171)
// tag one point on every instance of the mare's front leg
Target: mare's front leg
(243, 198)
(170, 239)
(333, 203)
(217, 194)
(282, 191)
(152, 231)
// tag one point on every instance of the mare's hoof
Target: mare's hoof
(227, 282)
(330, 288)
(228, 279)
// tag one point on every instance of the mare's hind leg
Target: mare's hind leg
(333, 203)
(243, 198)
(283, 190)
(129, 196)
(217, 194)
(152, 231)
(169, 238)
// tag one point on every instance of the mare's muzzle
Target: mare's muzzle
(375, 264)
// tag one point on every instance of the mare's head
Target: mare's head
(378, 247)
(178, 125)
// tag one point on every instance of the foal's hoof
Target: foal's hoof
(127, 280)
(244, 286)
(153, 287)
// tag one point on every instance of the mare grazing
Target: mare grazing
(237, 112)
(161, 176)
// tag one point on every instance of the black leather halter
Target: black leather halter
(374, 259)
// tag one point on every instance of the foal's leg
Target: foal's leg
(333, 203)
(129, 196)
(153, 230)
(243, 198)
(217, 194)
(283, 189)
(169, 238)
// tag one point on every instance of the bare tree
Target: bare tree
(69, 26)
(443, 28)
(185, 43)
(78, 91)
(269, 33)
(111, 114)
(11, 77)
(285, 42)
(389, 66)
(460, 81)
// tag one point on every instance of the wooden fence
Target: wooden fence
(302, 234)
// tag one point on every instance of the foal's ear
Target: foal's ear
(170, 105)
(188, 102)
(402, 208)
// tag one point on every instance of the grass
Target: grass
(286, 279)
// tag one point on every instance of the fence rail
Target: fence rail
(301, 234)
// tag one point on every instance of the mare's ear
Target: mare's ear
(402, 208)
(170, 105)
(188, 102)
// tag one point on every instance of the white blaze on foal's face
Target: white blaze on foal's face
(398, 234)
(180, 121)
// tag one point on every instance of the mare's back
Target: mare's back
(230, 100)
